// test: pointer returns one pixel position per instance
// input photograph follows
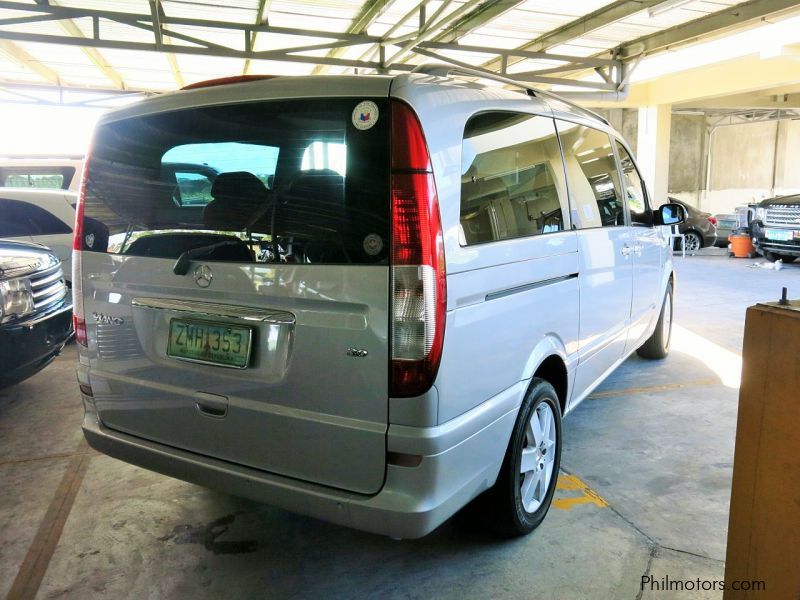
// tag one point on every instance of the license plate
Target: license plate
(727, 224)
(211, 343)
(779, 235)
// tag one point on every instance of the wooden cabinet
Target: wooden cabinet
(764, 525)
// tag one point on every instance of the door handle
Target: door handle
(626, 250)
(212, 405)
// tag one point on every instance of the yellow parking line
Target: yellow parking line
(571, 483)
(653, 388)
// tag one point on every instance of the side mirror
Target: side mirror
(670, 214)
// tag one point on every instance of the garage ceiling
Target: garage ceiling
(157, 45)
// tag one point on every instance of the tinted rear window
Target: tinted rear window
(281, 181)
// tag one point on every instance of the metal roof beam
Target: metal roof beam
(138, 19)
(157, 13)
(69, 26)
(732, 17)
(221, 51)
(370, 11)
(581, 26)
(262, 14)
(430, 31)
(479, 17)
(22, 58)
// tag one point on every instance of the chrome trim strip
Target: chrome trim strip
(51, 290)
(36, 321)
(210, 309)
(529, 286)
(47, 279)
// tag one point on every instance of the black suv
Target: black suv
(35, 310)
(776, 228)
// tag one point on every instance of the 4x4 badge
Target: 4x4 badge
(203, 276)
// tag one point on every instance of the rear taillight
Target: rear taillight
(78, 318)
(712, 220)
(419, 292)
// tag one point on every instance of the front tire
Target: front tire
(657, 345)
(525, 486)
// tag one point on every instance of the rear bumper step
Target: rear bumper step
(466, 457)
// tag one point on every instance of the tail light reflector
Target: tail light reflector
(419, 290)
(712, 220)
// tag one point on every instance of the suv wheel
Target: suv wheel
(524, 490)
(772, 257)
(657, 345)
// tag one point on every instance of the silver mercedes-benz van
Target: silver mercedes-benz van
(369, 299)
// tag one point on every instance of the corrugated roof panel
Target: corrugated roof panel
(229, 11)
(317, 23)
(334, 9)
(573, 8)
(273, 41)
(271, 67)
(574, 49)
(129, 6)
(229, 38)
(199, 68)
(491, 41)
(13, 71)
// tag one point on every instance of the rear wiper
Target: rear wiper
(182, 264)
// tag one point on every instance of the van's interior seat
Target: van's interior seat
(238, 197)
(311, 208)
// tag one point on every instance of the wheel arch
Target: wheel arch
(548, 361)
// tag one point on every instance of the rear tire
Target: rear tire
(657, 345)
(693, 241)
(519, 500)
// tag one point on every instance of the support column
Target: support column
(653, 150)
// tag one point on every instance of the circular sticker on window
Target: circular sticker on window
(373, 244)
(365, 115)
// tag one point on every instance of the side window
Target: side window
(53, 178)
(20, 218)
(194, 188)
(592, 175)
(511, 178)
(634, 188)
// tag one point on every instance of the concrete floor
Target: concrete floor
(647, 468)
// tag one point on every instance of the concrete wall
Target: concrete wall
(745, 166)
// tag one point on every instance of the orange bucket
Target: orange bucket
(741, 246)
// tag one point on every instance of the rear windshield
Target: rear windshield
(281, 181)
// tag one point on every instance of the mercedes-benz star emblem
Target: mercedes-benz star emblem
(203, 276)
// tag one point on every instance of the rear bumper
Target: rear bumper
(461, 459)
(28, 346)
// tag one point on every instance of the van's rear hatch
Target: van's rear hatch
(236, 281)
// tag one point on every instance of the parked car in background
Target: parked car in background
(42, 216)
(35, 310)
(726, 223)
(382, 305)
(53, 172)
(699, 228)
(776, 228)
